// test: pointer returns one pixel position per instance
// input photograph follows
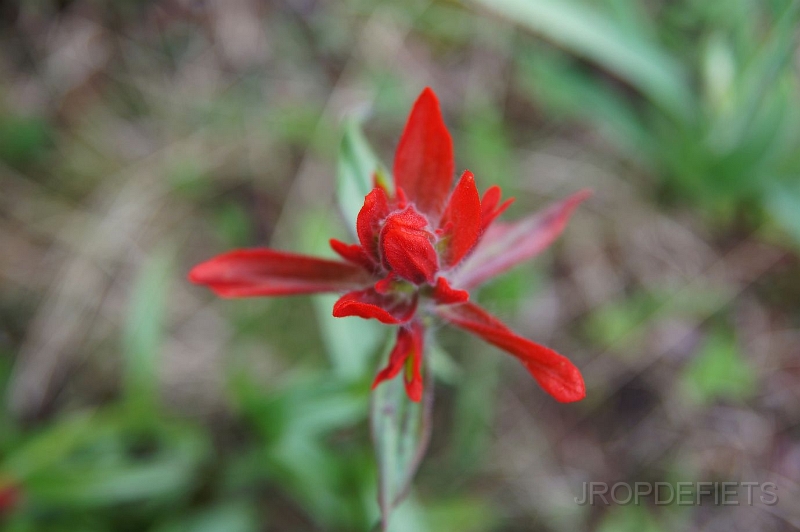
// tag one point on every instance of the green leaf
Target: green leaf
(143, 332)
(294, 423)
(109, 458)
(356, 167)
(588, 33)
(400, 433)
(632, 15)
(411, 514)
(304, 407)
(48, 447)
(757, 82)
(719, 71)
(577, 94)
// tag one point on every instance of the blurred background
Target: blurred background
(138, 138)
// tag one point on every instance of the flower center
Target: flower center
(407, 246)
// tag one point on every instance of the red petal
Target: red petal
(397, 357)
(406, 247)
(462, 220)
(400, 199)
(423, 163)
(353, 253)
(504, 246)
(408, 348)
(444, 294)
(489, 208)
(266, 272)
(491, 198)
(413, 375)
(370, 217)
(386, 308)
(554, 372)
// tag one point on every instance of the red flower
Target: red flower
(421, 248)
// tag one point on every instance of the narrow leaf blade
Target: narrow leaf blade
(400, 433)
(589, 33)
(356, 166)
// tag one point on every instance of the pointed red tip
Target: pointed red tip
(444, 294)
(461, 221)
(352, 253)
(414, 390)
(423, 163)
(554, 372)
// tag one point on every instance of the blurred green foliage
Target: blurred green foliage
(23, 139)
(704, 97)
(719, 371)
